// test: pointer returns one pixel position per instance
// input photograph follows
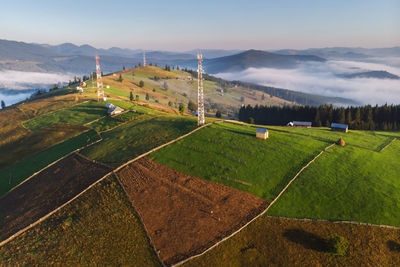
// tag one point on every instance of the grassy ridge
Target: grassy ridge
(86, 232)
(78, 114)
(364, 139)
(230, 154)
(347, 183)
(11, 176)
(138, 136)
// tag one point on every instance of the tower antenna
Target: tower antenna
(144, 58)
(100, 90)
(200, 95)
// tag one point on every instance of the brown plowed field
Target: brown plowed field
(185, 215)
(46, 191)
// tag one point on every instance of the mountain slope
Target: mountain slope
(378, 74)
(256, 59)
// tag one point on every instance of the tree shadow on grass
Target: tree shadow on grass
(393, 246)
(307, 240)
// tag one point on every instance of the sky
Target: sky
(222, 24)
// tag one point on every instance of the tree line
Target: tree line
(386, 117)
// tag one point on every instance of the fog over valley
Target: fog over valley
(327, 78)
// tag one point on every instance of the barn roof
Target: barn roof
(339, 125)
(112, 109)
(109, 105)
(302, 123)
(261, 130)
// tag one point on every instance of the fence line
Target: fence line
(383, 148)
(112, 172)
(52, 163)
(259, 215)
(140, 219)
(338, 222)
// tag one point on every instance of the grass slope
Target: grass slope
(347, 183)
(230, 154)
(281, 242)
(364, 139)
(15, 174)
(138, 136)
(37, 141)
(78, 114)
(99, 228)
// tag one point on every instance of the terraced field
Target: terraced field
(47, 191)
(138, 136)
(231, 155)
(282, 242)
(98, 228)
(15, 174)
(183, 214)
(348, 183)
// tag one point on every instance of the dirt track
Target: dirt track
(183, 214)
(46, 191)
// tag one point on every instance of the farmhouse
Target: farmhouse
(339, 127)
(306, 124)
(113, 110)
(262, 133)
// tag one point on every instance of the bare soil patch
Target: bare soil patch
(183, 214)
(46, 191)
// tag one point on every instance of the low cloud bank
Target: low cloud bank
(322, 79)
(15, 84)
(17, 80)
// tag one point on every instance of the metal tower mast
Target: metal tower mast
(100, 90)
(200, 95)
(144, 58)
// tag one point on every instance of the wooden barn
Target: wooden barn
(305, 124)
(262, 133)
(339, 127)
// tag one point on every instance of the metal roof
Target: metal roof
(261, 130)
(339, 125)
(302, 123)
(108, 105)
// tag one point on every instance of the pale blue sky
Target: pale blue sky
(184, 25)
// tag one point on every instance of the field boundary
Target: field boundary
(53, 211)
(90, 186)
(54, 162)
(22, 122)
(387, 145)
(338, 222)
(259, 215)
(140, 219)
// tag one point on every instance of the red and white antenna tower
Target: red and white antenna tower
(144, 58)
(200, 95)
(100, 90)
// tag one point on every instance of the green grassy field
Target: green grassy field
(108, 122)
(348, 183)
(230, 154)
(15, 174)
(138, 136)
(78, 114)
(100, 228)
(365, 139)
(37, 141)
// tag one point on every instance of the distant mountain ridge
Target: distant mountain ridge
(256, 59)
(378, 74)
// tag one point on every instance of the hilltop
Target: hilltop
(80, 187)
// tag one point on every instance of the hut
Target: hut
(339, 127)
(113, 110)
(262, 133)
(305, 124)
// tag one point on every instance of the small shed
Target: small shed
(306, 124)
(113, 110)
(339, 127)
(262, 133)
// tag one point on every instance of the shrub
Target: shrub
(338, 245)
(141, 83)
